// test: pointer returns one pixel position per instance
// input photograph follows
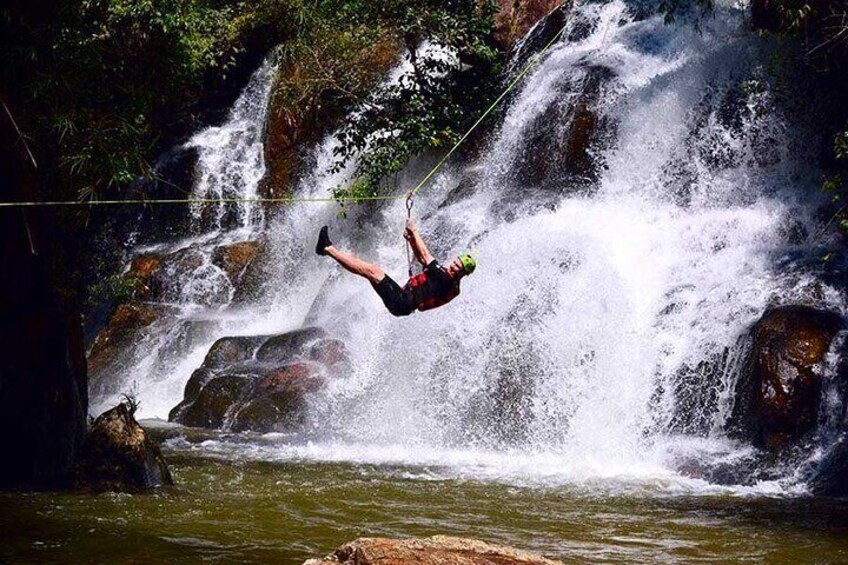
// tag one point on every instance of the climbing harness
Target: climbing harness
(291, 200)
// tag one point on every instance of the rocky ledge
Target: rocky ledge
(436, 550)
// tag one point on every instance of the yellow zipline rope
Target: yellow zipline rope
(290, 200)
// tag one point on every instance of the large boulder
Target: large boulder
(118, 456)
(123, 327)
(215, 399)
(278, 402)
(778, 392)
(260, 383)
(436, 550)
(280, 348)
(161, 278)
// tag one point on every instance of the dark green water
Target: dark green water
(254, 512)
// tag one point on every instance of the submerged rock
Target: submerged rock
(779, 389)
(436, 550)
(118, 456)
(260, 383)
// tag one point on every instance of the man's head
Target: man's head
(462, 265)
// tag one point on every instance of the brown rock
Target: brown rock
(214, 402)
(436, 550)
(558, 152)
(779, 390)
(279, 402)
(516, 17)
(118, 456)
(234, 259)
(260, 383)
(159, 277)
(230, 350)
(330, 352)
(295, 378)
(143, 272)
(282, 348)
(126, 325)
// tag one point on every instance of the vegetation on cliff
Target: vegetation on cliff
(821, 26)
(101, 86)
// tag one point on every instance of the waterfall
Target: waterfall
(596, 337)
(231, 157)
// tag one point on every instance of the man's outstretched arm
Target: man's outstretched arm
(413, 236)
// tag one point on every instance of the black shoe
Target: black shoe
(323, 242)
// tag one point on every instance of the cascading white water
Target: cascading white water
(231, 157)
(593, 339)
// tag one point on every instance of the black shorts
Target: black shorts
(397, 300)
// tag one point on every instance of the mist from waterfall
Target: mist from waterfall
(596, 337)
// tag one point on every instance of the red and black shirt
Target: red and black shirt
(432, 288)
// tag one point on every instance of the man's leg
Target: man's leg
(356, 265)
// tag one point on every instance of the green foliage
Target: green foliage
(429, 108)
(103, 81)
(112, 290)
(107, 82)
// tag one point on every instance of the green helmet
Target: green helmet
(468, 263)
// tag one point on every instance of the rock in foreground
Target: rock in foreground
(437, 550)
(118, 456)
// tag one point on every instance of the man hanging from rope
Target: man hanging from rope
(434, 287)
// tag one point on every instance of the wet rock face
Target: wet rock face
(123, 327)
(129, 325)
(559, 148)
(436, 550)
(516, 17)
(234, 259)
(779, 391)
(118, 456)
(260, 383)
